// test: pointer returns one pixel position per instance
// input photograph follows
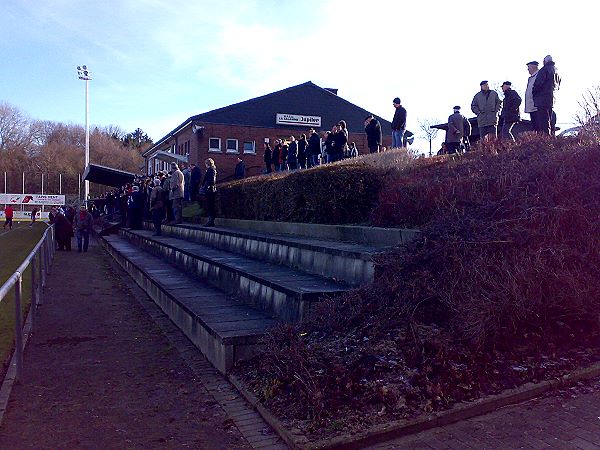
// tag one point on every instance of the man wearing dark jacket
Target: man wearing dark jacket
(314, 148)
(240, 169)
(373, 131)
(195, 180)
(398, 124)
(510, 111)
(546, 82)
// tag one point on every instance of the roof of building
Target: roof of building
(107, 175)
(304, 99)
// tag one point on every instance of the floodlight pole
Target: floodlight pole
(84, 74)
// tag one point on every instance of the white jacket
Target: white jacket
(529, 106)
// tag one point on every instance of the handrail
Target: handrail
(44, 252)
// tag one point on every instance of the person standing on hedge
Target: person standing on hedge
(292, 154)
(510, 111)
(209, 188)
(373, 132)
(546, 82)
(314, 148)
(486, 106)
(455, 131)
(302, 147)
(398, 124)
(268, 157)
(340, 141)
(275, 155)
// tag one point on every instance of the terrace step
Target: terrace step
(223, 328)
(349, 262)
(282, 291)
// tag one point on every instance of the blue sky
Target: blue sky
(154, 63)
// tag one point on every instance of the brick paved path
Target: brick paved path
(99, 373)
(567, 419)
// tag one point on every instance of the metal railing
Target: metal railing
(39, 259)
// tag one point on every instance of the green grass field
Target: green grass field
(15, 245)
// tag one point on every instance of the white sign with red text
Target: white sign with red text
(32, 199)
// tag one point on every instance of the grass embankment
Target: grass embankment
(502, 289)
(15, 245)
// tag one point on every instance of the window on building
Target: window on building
(214, 145)
(249, 147)
(232, 146)
(186, 148)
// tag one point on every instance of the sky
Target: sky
(155, 63)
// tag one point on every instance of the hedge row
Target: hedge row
(346, 192)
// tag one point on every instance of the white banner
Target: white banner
(22, 215)
(32, 199)
(298, 120)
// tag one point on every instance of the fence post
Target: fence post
(40, 275)
(18, 327)
(33, 305)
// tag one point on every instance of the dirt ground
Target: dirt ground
(99, 373)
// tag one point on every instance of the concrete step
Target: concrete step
(349, 262)
(282, 291)
(223, 328)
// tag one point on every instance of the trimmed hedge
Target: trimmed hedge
(346, 192)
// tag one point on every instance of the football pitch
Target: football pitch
(15, 245)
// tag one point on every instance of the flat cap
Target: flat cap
(483, 82)
(532, 63)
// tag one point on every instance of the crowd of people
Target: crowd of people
(493, 112)
(304, 152)
(69, 222)
(159, 198)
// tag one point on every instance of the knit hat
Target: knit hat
(397, 100)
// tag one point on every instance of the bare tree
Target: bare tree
(429, 133)
(588, 116)
(15, 129)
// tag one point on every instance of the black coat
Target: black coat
(340, 140)
(292, 154)
(196, 176)
(546, 82)
(302, 144)
(276, 154)
(373, 131)
(510, 107)
(268, 156)
(399, 120)
(314, 144)
(329, 144)
(240, 170)
(210, 180)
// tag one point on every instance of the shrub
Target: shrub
(341, 193)
(506, 271)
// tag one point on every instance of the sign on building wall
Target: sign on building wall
(297, 120)
(32, 199)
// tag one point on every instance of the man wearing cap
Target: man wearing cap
(455, 132)
(510, 111)
(532, 68)
(546, 82)
(398, 124)
(486, 105)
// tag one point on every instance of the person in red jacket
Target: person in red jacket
(8, 214)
